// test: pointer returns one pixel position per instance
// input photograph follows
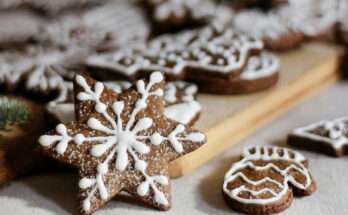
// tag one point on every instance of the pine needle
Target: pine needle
(13, 112)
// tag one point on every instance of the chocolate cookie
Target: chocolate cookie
(269, 27)
(265, 180)
(211, 53)
(121, 142)
(329, 137)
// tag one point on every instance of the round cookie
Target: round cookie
(315, 18)
(265, 180)
(269, 27)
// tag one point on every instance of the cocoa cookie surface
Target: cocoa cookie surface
(173, 15)
(121, 142)
(329, 137)
(265, 180)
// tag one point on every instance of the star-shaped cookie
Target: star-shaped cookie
(329, 137)
(121, 142)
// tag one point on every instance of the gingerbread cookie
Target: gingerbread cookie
(315, 18)
(260, 73)
(269, 27)
(104, 27)
(34, 71)
(329, 137)
(18, 27)
(212, 52)
(179, 97)
(121, 142)
(265, 180)
(176, 14)
(21, 123)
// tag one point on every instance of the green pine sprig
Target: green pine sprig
(13, 112)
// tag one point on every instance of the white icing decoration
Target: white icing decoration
(122, 140)
(63, 138)
(265, 26)
(198, 9)
(267, 154)
(260, 66)
(110, 25)
(203, 46)
(181, 109)
(337, 132)
(183, 112)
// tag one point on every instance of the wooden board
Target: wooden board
(229, 119)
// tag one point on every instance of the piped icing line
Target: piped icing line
(267, 154)
(336, 128)
(121, 140)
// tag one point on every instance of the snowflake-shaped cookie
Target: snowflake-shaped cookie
(330, 137)
(39, 71)
(121, 142)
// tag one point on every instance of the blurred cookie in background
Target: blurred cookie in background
(174, 15)
(18, 26)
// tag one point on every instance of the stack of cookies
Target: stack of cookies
(110, 87)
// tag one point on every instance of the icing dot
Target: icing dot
(156, 77)
(86, 183)
(61, 129)
(156, 139)
(100, 107)
(140, 165)
(79, 139)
